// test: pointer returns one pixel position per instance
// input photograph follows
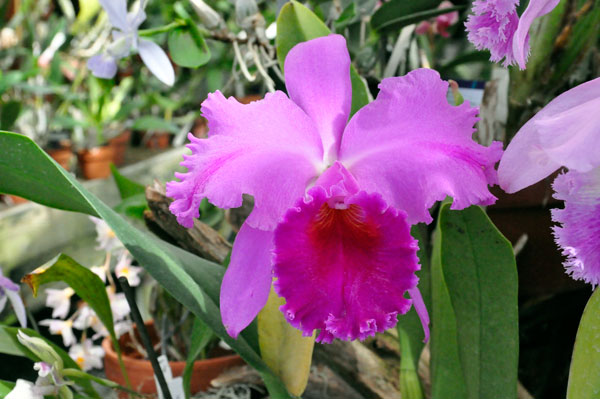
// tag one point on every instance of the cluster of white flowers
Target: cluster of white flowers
(85, 353)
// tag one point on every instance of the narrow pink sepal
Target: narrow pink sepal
(317, 77)
(520, 45)
(421, 309)
(247, 281)
(344, 271)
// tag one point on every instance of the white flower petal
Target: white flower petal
(157, 61)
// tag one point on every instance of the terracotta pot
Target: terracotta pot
(95, 162)
(141, 374)
(62, 156)
(159, 140)
(119, 145)
(14, 200)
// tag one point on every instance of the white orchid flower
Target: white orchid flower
(23, 390)
(126, 39)
(63, 328)
(59, 301)
(125, 269)
(87, 355)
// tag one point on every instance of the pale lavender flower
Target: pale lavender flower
(125, 39)
(10, 291)
(565, 133)
(496, 26)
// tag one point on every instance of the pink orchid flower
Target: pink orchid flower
(441, 23)
(333, 200)
(566, 132)
(496, 26)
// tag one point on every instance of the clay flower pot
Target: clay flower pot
(141, 374)
(119, 145)
(159, 140)
(62, 156)
(95, 162)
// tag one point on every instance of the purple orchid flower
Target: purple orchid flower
(333, 200)
(125, 38)
(566, 132)
(10, 291)
(497, 27)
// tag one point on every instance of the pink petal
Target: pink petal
(269, 149)
(580, 223)
(414, 148)
(421, 310)
(247, 281)
(317, 77)
(520, 45)
(344, 271)
(563, 133)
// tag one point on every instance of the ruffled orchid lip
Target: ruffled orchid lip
(344, 269)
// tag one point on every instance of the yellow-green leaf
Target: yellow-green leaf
(283, 348)
(584, 376)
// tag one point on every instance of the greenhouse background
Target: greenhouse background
(250, 199)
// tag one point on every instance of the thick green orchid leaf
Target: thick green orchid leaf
(297, 24)
(475, 341)
(193, 281)
(584, 376)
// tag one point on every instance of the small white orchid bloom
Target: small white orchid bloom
(118, 304)
(10, 291)
(23, 390)
(59, 301)
(87, 355)
(87, 318)
(125, 269)
(105, 236)
(125, 39)
(99, 271)
(63, 328)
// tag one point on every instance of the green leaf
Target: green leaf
(127, 187)
(346, 17)
(133, 206)
(82, 280)
(283, 347)
(584, 375)
(410, 329)
(193, 281)
(475, 342)
(394, 10)
(9, 114)
(201, 337)
(155, 124)
(25, 173)
(387, 22)
(297, 24)
(6, 387)
(9, 344)
(188, 49)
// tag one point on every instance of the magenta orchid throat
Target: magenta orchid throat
(334, 199)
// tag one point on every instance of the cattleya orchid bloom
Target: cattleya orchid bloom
(125, 38)
(333, 200)
(566, 132)
(496, 26)
(9, 291)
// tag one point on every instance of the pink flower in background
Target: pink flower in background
(566, 132)
(441, 23)
(334, 199)
(9, 291)
(496, 26)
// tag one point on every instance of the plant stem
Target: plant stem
(162, 29)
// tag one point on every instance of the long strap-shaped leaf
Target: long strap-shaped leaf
(27, 171)
(475, 342)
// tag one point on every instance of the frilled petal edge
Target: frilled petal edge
(344, 270)
(269, 149)
(415, 148)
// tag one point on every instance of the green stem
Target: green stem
(162, 29)
(74, 373)
(410, 386)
